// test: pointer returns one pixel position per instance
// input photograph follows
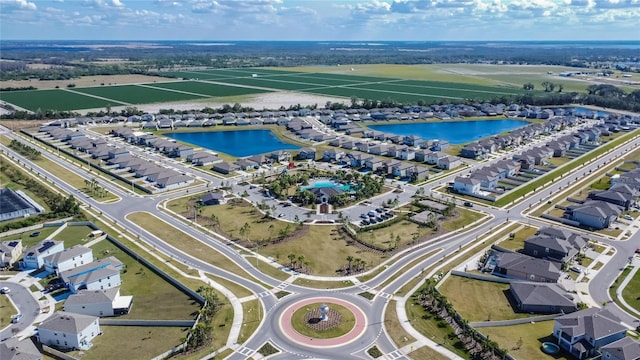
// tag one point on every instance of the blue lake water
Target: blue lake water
(237, 142)
(456, 132)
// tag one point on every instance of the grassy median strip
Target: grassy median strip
(185, 242)
(408, 267)
(319, 284)
(394, 328)
(253, 315)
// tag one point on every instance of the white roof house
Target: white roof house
(68, 330)
(68, 259)
(100, 303)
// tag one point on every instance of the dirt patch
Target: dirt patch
(86, 81)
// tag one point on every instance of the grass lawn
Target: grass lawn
(238, 290)
(631, 293)
(598, 265)
(436, 330)
(320, 239)
(614, 287)
(7, 311)
(74, 235)
(153, 297)
(300, 325)
(394, 328)
(231, 217)
(28, 240)
(55, 99)
(252, 311)
(477, 300)
(532, 335)
(269, 270)
(319, 284)
(517, 242)
(132, 342)
(426, 352)
(184, 242)
(465, 218)
(404, 230)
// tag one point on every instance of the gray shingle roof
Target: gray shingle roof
(67, 322)
(540, 294)
(84, 297)
(67, 254)
(594, 322)
(625, 348)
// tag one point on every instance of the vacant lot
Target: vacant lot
(478, 300)
(136, 94)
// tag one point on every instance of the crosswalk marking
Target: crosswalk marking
(394, 355)
(364, 287)
(245, 351)
(385, 295)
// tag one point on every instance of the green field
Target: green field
(56, 99)
(208, 89)
(136, 94)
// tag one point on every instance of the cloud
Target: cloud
(9, 5)
(104, 4)
(168, 3)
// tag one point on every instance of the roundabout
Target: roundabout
(323, 322)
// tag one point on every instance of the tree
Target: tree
(528, 86)
(560, 88)
(292, 259)
(349, 260)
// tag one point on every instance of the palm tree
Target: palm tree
(292, 259)
(349, 260)
(301, 260)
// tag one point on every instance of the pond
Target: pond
(456, 132)
(236, 142)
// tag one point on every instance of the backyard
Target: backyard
(523, 341)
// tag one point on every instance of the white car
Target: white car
(628, 217)
(576, 269)
(5, 290)
(280, 215)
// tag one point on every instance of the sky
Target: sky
(381, 20)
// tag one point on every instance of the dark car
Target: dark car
(35, 233)
(468, 204)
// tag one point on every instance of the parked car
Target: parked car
(379, 210)
(628, 217)
(638, 251)
(576, 269)
(35, 233)
(5, 290)
(16, 318)
(281, 215)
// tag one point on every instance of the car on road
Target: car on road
(16, 318)
(281, 215)
(5, 290)
(638, 251)
(468, 204)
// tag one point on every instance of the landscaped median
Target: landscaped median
(185, 243)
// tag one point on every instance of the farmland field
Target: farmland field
(208, 89)
(135, 94)
(55, 99)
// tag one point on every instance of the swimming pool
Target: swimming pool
(327, 184)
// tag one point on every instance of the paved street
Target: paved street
(268, 330)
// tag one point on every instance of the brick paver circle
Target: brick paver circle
(358, 328)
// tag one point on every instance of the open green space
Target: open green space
(300, 325)
(74, 235)
(437, 330)
(27, 239)
(392, 324)
(209, 89)
(320, 240)
(55, 99)
(517, 241)
(464, 218)
(477, 300)
(184, 242)
(415, 262)
(131, 342)
(237, 289)
(136, 94)
(150, 292)
(631, 293)
(426, 352)
(523, 341)
(252, 316)
(7, 310)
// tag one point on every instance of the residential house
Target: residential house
(406, 153)
(10, 252)
(411, 140)
(34, 256)
(595, 214)
(98, 275)
(585, 332)
(541, 298)
(402, 170)
(473, 151)
(554, 248)
(99, 303)
(173, 180)
(421, 155)
(246, 164)
(466, 185)
(224, 167)
(69, 331)
(68, 259)
(213, 198)
(418, 173)
(280, 155)
(333, 154)
(449, 163)
(434, 157)
(619, 194)
(440, 145)
(519, 266)
(307, 153)
(624, 349)
(374, 163)
(15, 349)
